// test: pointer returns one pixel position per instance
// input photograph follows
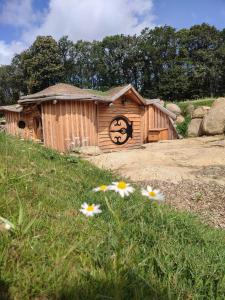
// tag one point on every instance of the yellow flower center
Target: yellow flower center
(152, 194)
(103, 187)
(90, 207)
(121, 185)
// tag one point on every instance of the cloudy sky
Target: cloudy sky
(22, 20)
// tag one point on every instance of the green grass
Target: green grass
(183, 127)
(198, 102)
(97, 92)
(133, 250)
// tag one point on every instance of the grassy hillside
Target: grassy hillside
(198, 102)
(133, 250)
(183, 127)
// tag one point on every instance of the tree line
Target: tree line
(161, 63)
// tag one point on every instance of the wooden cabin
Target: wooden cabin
(65, 117)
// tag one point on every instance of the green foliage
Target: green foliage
(40, 65)
(182, 128)
(8, 94)
(198, 102)
(161, 62)
(133, 250)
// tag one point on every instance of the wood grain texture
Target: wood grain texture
(28, 116)
(106, 114)
(69, 124)
(155, 118)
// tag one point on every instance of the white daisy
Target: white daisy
(90, 210)
(121, 187)
(153, 194)
(101, 188)
(6, 224)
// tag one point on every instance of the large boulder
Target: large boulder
(190, 108)
(174, 108)
(195, 128)
(162, 102)
(180, 119)
(214, 122)
(200, 112)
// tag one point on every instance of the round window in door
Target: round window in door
(120, 130)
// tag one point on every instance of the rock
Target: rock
(180, 119)
(214, 122)
(174, 108)
(162, 102)
(190, 108)
(88, 150)
(195, 128)
(200, 112)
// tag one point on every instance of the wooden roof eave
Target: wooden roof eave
(165, 110)
(11, 108)
(125, 90)
(174, 128)
(63, 98)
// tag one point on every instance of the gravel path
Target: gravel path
(191, 173)
(208, 200)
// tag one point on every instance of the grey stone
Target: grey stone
(180, 119)
(200, 112)
(195, 128)
(214, 122)
(174, 108)
(190, 108)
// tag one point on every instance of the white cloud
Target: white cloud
(7, 51)
(94, 19)
(18, 13)
(79, 19)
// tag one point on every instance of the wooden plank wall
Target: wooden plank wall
(12, 119)
(106, 113)
(69, 124)
(155, 118)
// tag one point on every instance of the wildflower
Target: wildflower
(101, 188)
(153, 194)
(121, 187)
(5, 224)
(90, 210)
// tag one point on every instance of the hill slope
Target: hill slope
(133, 250)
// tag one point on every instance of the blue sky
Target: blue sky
(22, 20)
(185, 13)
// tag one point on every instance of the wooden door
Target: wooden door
(38, 130)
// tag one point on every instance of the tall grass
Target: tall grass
(133, 250)
(198, 102)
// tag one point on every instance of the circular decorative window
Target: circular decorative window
(21, 124)
(120, 130)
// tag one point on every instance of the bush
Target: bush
(182, 128)
(199, 102)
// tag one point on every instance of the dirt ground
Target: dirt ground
(190, 172)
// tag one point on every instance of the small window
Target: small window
(21, 124)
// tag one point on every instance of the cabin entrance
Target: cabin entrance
(38, 130)
(120, 130)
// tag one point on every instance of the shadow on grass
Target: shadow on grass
(125, 289)
(4, 291)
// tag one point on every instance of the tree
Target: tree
(160, 62)
(159, 53)
(67, 56)
(202, 44)
(41, 64)
(6, 91)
